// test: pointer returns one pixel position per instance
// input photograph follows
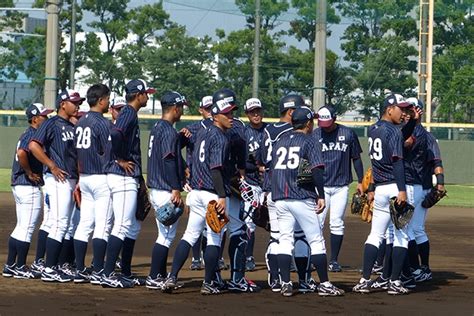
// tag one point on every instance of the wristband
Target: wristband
(371, 188)
(440, 179)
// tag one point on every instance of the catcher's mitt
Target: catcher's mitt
(214, 219)
(304, 173)
(358, 203)
(400, 214)
(76, 194)
(367, 212)
(367, 180)
(143, 201)
(433, 197)
(169, 213)
(260, 216)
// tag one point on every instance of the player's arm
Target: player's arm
(216, 162)
(314, 155)
(396, 143)
(25, 165)
(434, 155)
(37, 150)
(171, 166)
(356, 150)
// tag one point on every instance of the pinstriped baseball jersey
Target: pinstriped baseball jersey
(212, 151)
(163, 143)
(18, 173)
(415, 157)
(93, 147)
(433, 154)
(254, 138)
(385, 145)
(127, 124)
(272, 134)
(195, 128)
(286, 156)
(238, 147)
(338, 148)
(56, 135)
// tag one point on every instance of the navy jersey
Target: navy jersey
(18, 174)
(385, 146)
(238, 147)
(272, 134)
(338, 148)
(127, 125)
(433, 154)
(93, 147)
(194, 129)
(164, 143)
(414, 158)
(212, 151)
(254, 138)
(286, 156)
(56, 135)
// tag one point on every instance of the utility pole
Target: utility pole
(319, 83)
(72, 47)
(256, 51)
(425, 56)
(51, 71)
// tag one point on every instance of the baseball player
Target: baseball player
(192, 130)
(386, 155)
(300, 203)
(93, 153)
(209, 182)
(26, 180)
(116, 105)
(165, 179)
(339, 146)
(123, 172)
(254, 132)
(53, 145)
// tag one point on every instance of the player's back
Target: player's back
(92, 134)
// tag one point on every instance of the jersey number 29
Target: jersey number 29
(375, 148)
(288, 158)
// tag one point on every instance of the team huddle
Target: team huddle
(85, 174)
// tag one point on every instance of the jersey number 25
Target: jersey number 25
(287, 158)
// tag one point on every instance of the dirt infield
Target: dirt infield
(451, 232)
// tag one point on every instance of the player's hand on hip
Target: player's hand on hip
(320, 205)
(59, 174)
(128, 166)
(401, 197)
(176, 197)
(35, 178)
(220, 206)
(359, 188)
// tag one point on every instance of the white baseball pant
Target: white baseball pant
(28, 207)
(336, 201)
(166, 234)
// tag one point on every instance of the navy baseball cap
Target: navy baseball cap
(301, 115)
(291, 101)
(118, 102)
(37, 109)
(251, 104)
(222, 107)
(69, 95)
(173, 98)
(206, 102)
(396, 99)
(138, 86)
(326, 116)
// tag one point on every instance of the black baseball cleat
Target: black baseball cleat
(210, 288)
(334, 266)
(82, 276)
(115, 281)
(329, 289)
(55, 275)
(379, 284)
(363, 286)
(286, 289)
(24, 272)
(9, 271)
(169, 284)
(397, 288)
(309, 286)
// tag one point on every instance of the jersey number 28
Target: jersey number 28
(288, 158)
(83, 137)
(375, 148)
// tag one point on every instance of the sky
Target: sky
(203, 17)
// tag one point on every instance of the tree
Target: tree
(270, 11)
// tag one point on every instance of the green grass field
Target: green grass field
(458, 195)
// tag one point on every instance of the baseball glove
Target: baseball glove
(143, 201)
(400, 214)
(214, 219)
(433, 197)
(76, 194)
(367, 212)
(358, 203)
(367, 180)
(304, 173)
(169, 213)
(260, 216)
(235, 186)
